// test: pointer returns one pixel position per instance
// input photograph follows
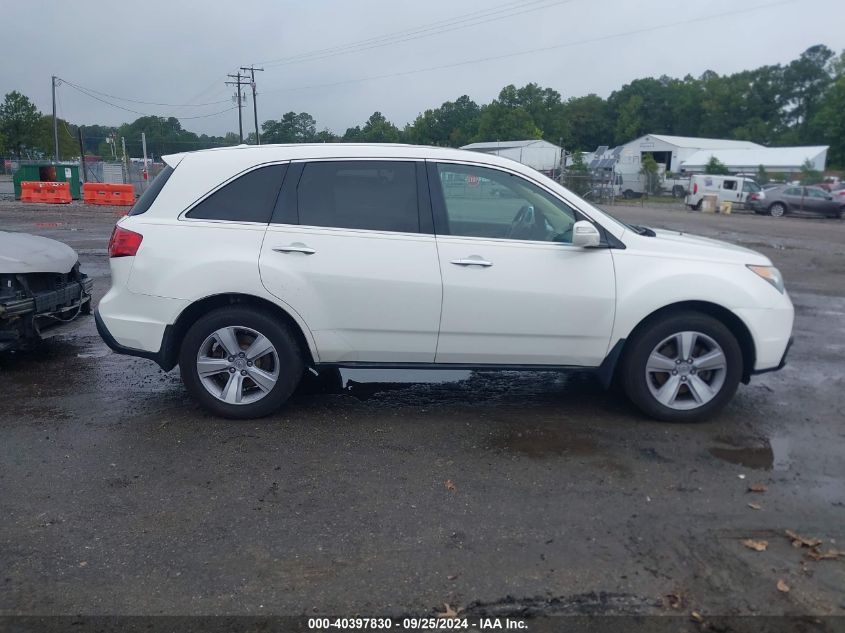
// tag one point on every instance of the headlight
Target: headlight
(770, 274)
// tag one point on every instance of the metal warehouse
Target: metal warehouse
(540, 155)
(773, 159)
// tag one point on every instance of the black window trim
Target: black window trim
(183, 215)
(287, 203)
(441, 222)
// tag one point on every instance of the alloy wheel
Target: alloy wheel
(686, 370)
(238, 365)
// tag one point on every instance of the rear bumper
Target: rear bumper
(160, 357)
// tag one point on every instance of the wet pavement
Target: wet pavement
(490, 491)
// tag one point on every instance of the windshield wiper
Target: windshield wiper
(642, 230)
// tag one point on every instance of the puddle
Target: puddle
(754, 453)
(539, 443)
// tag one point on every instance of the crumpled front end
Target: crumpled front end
(33, 303)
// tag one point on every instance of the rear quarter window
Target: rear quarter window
(147, 198)
(248, 198)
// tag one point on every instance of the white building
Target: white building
(788, 160)
(684, 155)
(673, 151)
(540, 155)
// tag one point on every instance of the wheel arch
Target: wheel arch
(721, 313)
(188, 316)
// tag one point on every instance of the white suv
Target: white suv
(246, 266)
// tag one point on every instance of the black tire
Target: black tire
(678, 191)
(649, 335)
(628, 194)
(777, 209)
(290, 361)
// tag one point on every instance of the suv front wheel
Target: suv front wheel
(682, 368)
(238, 362)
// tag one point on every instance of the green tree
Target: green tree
(504, 119)
(809, 174)
(42, 138)
(291, 128)
(806, 79)
(454, 123)
(650, 173)
(378, 129)
(829, 120)
(577, 177)
(762, 175)
(716, 167)
(353, 135)
(588, 123)
(18, 120)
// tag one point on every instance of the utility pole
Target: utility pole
(55, 125)
(238, 77)
(145, 177)
(82, 154)
(252, 70)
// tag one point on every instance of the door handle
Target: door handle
(471, 261)
(296, 247)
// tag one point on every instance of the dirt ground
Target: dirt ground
(119, 496)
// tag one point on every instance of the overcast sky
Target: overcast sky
(179, 51)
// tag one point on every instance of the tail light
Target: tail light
(754, 196)
(694, 188)
(124, 243)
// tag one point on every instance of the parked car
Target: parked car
(41, 287)
(779, 201)
(734, 189)
(247, 265)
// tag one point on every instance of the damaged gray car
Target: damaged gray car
(41, 288)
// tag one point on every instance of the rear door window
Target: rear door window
(147, 198)
(248, 198)
(369, 195)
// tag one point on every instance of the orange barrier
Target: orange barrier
(47, 192)
(110, 194)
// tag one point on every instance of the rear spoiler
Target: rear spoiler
(173, 159)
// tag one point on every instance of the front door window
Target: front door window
(488, 203)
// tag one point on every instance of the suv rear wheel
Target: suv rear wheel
(239, 362)
(682, 368)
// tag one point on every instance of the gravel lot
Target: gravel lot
(118, 496)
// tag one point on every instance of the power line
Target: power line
(115, 105)
(429, 30)
(542, 49)
(169, 105)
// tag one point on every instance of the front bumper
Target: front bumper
(25, 320)
(780, 365)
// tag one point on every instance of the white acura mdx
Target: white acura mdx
(248, 266)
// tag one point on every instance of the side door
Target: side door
(794, 198)
(352, 252)
(731, 191)
(515, 290)
(816, 200)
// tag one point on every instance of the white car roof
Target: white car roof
(200, 171)
(257, 154)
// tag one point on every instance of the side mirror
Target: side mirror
(585, 234)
